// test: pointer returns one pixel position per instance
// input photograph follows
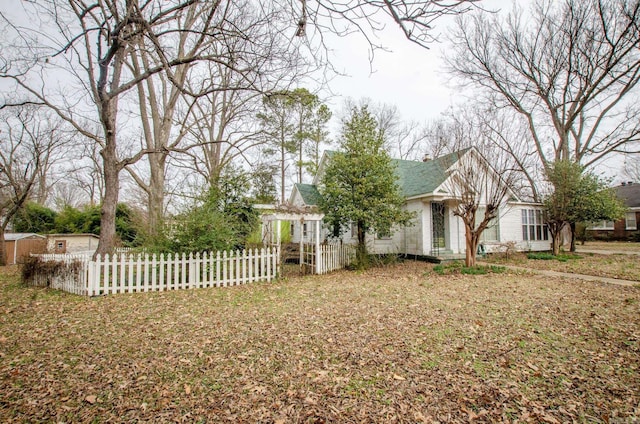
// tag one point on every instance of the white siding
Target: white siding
(511, 229)
(74, 243)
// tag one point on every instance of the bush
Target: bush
(37, 272)
(457, 267)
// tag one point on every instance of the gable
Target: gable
(418, 178)
(309, 194)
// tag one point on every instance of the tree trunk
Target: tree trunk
(111, 188)
(282, 172)
(555, 245)
(471, 248)
(156, 193)
(3, 249)
(572, 234)
(362, 256)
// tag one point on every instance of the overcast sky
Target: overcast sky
(412, 77)
(409, 76)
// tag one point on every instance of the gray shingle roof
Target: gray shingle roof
(630, 194)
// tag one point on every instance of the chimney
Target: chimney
(426, 158)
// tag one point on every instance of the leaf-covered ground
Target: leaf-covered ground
(617, 265)
(394, 344)
(619, 246)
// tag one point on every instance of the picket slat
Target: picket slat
(127, 273)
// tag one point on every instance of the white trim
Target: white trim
(602, 225)
(626, 221)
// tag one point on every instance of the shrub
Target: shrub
(457, 267)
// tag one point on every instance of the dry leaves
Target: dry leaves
(395, 344)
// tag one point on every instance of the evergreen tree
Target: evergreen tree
(34, 218)
(360, 185)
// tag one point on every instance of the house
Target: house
(625, 229)
(20, 245)
(72, 243)
(436, 231)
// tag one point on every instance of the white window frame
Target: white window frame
(384, 236)
(533, 226)
(603, 225)
(354, 230)
(627, 221)
(493, 226)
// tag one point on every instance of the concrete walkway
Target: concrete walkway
(584, 277)
(617, 281)
(605, 252)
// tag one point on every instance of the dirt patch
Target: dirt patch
(394, 344)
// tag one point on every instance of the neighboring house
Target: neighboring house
(436, 231)
(72, 243)
(626, 228)
(20, 245)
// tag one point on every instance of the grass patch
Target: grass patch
(457, 267)
(546, 256)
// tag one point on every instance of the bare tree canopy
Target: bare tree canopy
(28, 140)
(570, 68)
(82, 60)
(415, 18)
(483, 176)
(86, 61)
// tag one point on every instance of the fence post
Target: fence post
(318, 252)
(91, 279)
(224, 268)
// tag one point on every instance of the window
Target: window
(292, 229)
(354, 230)
(384, 235)
(631, 223)
(533, 226)
(602, 225)
(305, 232)
(490, 233)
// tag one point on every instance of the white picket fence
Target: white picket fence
(332, 257)
(129, 273)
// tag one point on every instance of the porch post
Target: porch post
(301, 245)
(278, 233)
(318, 253)
(278, 243)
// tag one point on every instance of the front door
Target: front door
(437, 227)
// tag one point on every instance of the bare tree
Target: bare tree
(27, 141)
(482, 177)
(96, 46)
(215, 92)
(569, 68)
(632, 168)
(403, 139)
(78, 59)
(368, 17)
